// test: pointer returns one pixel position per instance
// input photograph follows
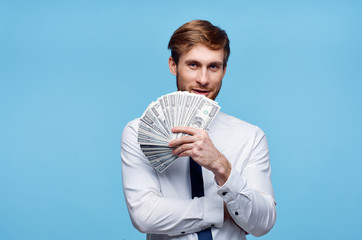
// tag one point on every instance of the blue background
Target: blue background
(73, 73)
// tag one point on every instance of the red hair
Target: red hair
(198, 32)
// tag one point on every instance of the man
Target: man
(236, 192)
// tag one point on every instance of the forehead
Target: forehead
(203, 54)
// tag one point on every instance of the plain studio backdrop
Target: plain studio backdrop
(73, 73)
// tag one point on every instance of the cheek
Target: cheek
(217, 79)
(187, 77)
(188, 73)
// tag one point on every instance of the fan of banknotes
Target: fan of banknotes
(172, 110)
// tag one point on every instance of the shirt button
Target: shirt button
(236, 213)
(183, 232)
(224, 193)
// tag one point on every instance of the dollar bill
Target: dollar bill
(168, 111)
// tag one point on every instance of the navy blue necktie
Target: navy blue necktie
(197, 190)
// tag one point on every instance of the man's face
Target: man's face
(199, 71)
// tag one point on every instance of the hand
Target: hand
(199, 146)
(227, 215)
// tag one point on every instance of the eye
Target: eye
(193, 65)
(214, 67)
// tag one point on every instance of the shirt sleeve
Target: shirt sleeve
(150, 212)
(248, 192)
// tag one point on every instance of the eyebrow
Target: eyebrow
(195, 61)
(216, 63)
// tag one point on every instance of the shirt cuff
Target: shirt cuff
(213, 211)
(234, 186)
(237, 197)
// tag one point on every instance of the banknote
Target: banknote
(179, 108)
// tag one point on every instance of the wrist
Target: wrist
(221, 170)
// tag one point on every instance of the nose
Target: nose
(203, 78)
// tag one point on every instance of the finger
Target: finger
(185, 153)
(182, 140)
(181, 149)
(188, 130)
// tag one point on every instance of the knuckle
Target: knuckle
(198, 144)
(193, 152)
(203, 135)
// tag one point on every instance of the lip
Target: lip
(201, 92)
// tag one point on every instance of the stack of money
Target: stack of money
(172, 110)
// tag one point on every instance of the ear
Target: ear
(172, 66)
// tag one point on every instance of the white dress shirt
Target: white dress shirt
(160, 204)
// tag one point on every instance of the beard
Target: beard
(180, 87)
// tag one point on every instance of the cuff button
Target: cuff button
(236, 213)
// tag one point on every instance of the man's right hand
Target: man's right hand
(227, 215)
